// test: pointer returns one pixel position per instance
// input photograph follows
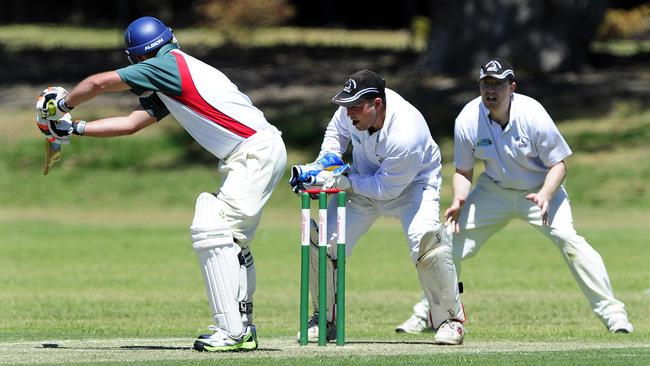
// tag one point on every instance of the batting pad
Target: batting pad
(218, 257)
(438, 279)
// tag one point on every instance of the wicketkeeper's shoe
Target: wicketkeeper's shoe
(413, 325)
(451, 332)
(220, 341)
(620, 325)
(312, 330)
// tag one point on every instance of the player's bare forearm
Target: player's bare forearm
(553, 181)
(94, 85)
(119, 126)
(462, 183)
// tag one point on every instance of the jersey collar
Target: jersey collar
(166, 49)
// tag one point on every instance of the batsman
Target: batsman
(395, 172)
(251, 153)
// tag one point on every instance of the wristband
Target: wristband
(78, 127)
(63, 106)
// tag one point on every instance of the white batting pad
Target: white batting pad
(218, 257)
(220, 269)
(208, 223)
(438, 279)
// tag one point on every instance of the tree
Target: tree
(539, 36)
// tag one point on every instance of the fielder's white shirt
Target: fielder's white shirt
(516, 157)
(401, 153)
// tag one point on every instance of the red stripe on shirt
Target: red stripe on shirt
(191, 97)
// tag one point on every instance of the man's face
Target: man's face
(364, 114)
(495, 92)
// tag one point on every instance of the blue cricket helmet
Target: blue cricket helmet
(145, 35)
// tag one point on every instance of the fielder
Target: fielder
(395, 172)
(222, 120)
(524, 154)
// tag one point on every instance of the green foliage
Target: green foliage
(625, 24)
(52, 37)
(420, 31)
(236, 19)
(21, 37)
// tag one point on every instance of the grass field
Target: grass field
(129, 290)
(96, 259)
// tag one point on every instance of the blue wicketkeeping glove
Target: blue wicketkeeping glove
(302, 174)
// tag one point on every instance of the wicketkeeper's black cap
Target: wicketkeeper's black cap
(497, 68)
(361, 85)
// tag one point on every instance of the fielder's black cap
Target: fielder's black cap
(497, 68)
(361, 85)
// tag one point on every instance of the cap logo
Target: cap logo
(493, 66)
(349, 86)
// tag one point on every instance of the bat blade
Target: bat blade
(52, 155)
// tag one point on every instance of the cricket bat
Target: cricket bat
(52, 155)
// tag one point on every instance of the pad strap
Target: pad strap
(245, 259)
(246, 307)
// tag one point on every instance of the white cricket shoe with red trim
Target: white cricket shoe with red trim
(451, 332)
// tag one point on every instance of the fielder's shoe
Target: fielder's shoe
(620, 325)
(220, 341)
(312, 330)
(451, 332)
(413, 325)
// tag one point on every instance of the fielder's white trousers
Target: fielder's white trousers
(417, 208)
(488, 208)
(249, 175)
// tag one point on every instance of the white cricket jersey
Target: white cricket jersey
(211, 108)
(516, 157)
(401, 153)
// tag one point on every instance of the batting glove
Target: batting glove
(51, 103)
(65, 127)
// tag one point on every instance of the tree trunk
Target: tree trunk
(537, 36)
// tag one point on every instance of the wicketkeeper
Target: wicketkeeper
(395, 172)
(223, 120)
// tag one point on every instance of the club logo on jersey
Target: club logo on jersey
(521, 141)
(484, 142)
(349, 86)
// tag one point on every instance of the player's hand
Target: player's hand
(51, 103)
(453, 213)
(542, 202)
(304, 173)
(337, 181)
(65, 127)
(326, 179)
(299, 175)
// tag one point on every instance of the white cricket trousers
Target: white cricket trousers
(417, 208)
(488, 208)
(249, 175)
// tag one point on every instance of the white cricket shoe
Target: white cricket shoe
(620, 325)
(312, 330)
(451, 332)
(220, 341)
(413, 325)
